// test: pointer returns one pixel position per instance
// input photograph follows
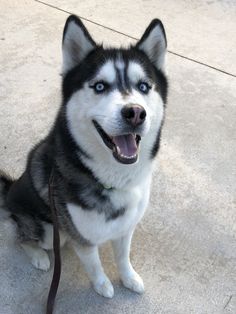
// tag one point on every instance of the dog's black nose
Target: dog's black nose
(133, 114)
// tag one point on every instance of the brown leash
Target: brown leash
(56, 248)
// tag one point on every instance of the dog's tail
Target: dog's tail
(5, 184)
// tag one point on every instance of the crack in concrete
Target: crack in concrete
(227, 303)
(118, 32)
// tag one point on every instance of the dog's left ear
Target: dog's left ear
(154, 44)
(76, 43)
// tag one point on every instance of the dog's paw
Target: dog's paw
(104, 288)
(133, 282)
(40, 260)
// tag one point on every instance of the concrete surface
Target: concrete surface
(202, 30)
(185, 247)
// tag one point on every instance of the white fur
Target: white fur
(131, 183)
(119, 64)
(155, 47)
(106, 73)
(38, 257)
(36, 251)
(129, 277)
(75, 47)
(135, 72)
(106, 110)
(94, 227)
(90, 258)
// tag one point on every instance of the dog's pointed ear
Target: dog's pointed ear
(154, 44)
(76, 43)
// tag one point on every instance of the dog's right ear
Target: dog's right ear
(76, 43)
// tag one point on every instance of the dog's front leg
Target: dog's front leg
(129, 277)
(89, 256)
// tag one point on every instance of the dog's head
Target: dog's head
(114, 98)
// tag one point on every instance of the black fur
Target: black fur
(27, 198)
(77, 21)
(5, 181)
(89, 66)
(154, 23)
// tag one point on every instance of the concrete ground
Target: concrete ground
(185, 247)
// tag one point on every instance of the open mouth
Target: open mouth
(124, 147)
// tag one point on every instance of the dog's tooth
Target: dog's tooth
(128, 157)
(118, 149)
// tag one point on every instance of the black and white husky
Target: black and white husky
(101, 146)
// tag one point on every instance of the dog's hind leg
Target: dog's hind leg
(39, 258)
(30, 232)
(89, 256)
(46, 241)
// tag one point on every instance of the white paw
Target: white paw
(104, 288)
(133, 282)
(40, 260)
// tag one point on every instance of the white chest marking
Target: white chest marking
(94, 227)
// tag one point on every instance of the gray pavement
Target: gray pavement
(185, 247)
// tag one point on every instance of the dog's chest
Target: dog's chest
(97, 227)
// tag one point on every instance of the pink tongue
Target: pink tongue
(126, 143)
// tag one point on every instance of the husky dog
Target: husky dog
(101, 147)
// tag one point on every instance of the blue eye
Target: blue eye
(99, 87)
(144, 87)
